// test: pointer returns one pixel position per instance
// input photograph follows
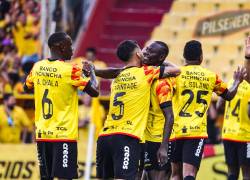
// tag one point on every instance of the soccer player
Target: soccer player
(55, 84)
(194, 88)
(236, 127)
(160, 99)
(118, 147)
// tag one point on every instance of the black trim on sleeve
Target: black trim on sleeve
(246, 57)
(162, 68)
(166, 104)
(223, 95)
(89, 84)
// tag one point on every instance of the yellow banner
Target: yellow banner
(20, 161)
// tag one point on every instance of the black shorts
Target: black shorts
(57, 159)
(188, 151)
(117, 157)
(150, 161)
(237, 153)
(141, 163)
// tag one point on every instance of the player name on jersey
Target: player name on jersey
(125, 81)
(196, 80)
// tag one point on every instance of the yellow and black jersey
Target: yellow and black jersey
(194, 88)
(160, 97)
(129, 102)
(236, 126)
(55, 86)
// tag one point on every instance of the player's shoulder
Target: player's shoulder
(208, 71)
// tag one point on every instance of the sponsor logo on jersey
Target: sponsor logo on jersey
(126, 157)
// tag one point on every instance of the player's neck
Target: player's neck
(55, 56)
(190, 63)
(133, 63)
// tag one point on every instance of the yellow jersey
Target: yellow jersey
(160, 96)
(129, 102)
(236, 126)
(10, 132)
(56, 101)
(194, 88)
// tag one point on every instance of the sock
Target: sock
(189, 178)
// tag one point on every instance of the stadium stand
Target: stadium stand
(112, 21)
(221, 53)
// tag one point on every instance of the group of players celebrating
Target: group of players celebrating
(157, 120)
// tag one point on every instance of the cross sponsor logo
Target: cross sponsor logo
(65, 155)
(126, 157)
(198, 150)
(248, 150)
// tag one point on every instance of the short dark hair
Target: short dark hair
(164, 46)
(91, 49)
(125, 49)
(6, 96)
(56, 38)
(192, 51)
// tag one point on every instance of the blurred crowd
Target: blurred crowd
(19, 42)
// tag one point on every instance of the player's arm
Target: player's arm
(221, 88)
(108, 73)
(28, 85)
(239, 75)
(83, 83)
(220, 105)
(164, 93)
(168, 126)
(92, 86)
(170, 69)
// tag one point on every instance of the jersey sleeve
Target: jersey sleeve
(30, 79)
(77, 79)
(152, 73)
(220, 87)
(164, 92)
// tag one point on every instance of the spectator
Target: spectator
(14, 123)
(19, 41)
(90, 55)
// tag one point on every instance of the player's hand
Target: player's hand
(162, 155)
(247, 44)
(240, 74)
(87, 67)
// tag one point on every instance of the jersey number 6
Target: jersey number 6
(116, 102)
(47, 101)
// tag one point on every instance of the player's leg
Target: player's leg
(232, 161)
(244, 159)
(152, 166)
(192, 154)
(176, 159)
(104, 161)
(176, 170)
(64, 164)
(141, 166)
(44, 151)
(126, 156)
